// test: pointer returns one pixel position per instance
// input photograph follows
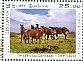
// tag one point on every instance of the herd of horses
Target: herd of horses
(42, 31)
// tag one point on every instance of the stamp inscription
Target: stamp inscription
(42, 30)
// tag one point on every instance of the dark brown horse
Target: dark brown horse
(21, 31)
(47, 32)
(59, 30)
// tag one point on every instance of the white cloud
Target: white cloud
(61, 16)
(25, 18)
(54, 17)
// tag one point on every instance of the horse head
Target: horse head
(42, 28)
(37, 25)
(65, 29)
(21, 27)
(32, 27)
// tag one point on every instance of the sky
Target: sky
(46, 17)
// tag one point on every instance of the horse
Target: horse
(59, 30)
(47, 32)
(33, 33)
(37, 28)
(21, 31)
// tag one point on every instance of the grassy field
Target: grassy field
(47, 46)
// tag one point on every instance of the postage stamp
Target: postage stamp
(36, 30)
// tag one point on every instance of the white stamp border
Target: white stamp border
(20, 56)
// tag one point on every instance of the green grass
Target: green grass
(47, 46)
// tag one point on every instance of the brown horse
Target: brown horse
(33, 33)
(59, 30)
(21, 31)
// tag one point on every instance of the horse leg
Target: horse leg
(41, 37)
(32, 40)
(39, 40)
(47, 36)
(51, 36)
(21, 39)
(65, 35)
(28, 39)
(55, 36)
(25, 39)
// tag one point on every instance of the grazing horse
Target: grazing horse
(59, 30)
